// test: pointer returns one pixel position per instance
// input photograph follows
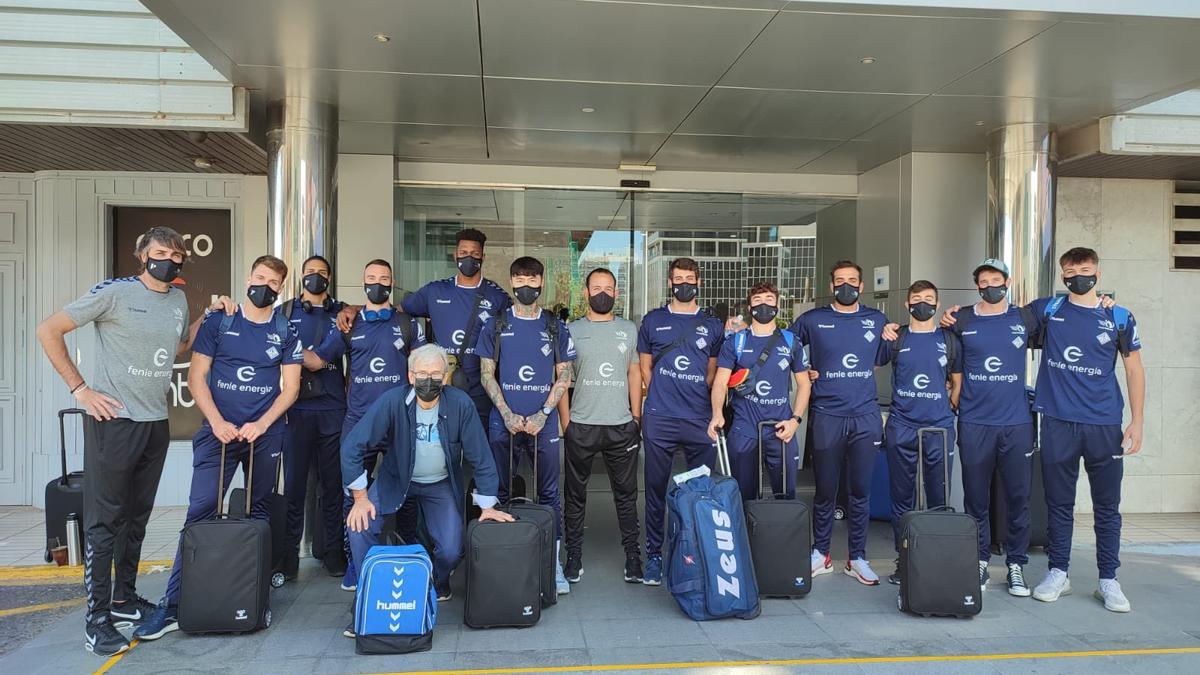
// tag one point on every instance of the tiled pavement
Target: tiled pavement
(605, 621)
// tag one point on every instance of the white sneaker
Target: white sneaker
(1055, 585)
(561, 585)
(1110, 593)
(860, 569)
(983, 575)
(821, 563)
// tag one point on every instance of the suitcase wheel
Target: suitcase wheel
(277, 580)
(47, 557)
(839, 513)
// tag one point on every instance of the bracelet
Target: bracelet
(79, 386)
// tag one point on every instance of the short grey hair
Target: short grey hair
(164, 236)
(427, 353)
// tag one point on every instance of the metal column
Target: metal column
(1021, 173)
(302, 182)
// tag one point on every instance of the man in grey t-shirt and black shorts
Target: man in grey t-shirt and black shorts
(603, 418)
(141, 325)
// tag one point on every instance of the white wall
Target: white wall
(1128, 223)
(365, 229)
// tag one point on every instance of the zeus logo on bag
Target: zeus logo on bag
(726, 585)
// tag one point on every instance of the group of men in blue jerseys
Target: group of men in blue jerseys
(326, 387)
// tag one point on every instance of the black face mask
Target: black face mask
(1080, 283)
(315, 283)
(165, 269)
(601, 303)
(764, 313)
(992, 295)
(685, 292)
(427, 388)
(845, 294)
(527, 295)
(377, 294)
(921, 311)
(468, 265)
(261, 295)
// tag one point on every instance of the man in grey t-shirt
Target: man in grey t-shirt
(141, 325)
(603, 418)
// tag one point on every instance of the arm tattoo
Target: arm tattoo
(487, 377)
(560, 385)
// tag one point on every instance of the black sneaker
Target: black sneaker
(574, 569)
(102, 639)
(443, 591)
(1016, 581)
(894, 577)
(633, 569)
(335, 563)
(983, 575)
(130, 612)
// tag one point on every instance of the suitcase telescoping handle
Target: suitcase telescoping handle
(723, 454)
(921, 501)
(782, 459)
(221, 481)
(512, 474)
(62, 436)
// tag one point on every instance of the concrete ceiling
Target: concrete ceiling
(703, 85)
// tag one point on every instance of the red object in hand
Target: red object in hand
(738, 377)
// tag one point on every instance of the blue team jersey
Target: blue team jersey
(245, 376)
(526, 371)
(312, 327)
(767, 398)
(679, 383)
(448, 307)
(844, 348)
(994, 350)
(1077, 380)
(378, 357)
(919, 394)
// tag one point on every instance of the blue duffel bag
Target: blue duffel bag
(709, 569)
(395, 605)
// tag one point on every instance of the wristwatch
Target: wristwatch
(546, 411)
(798, 418)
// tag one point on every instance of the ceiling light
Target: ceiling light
(867, 60)
(202, 162)
(979, 123)
(588, 110)
(640, 168)
(545, 232)
(381, 38)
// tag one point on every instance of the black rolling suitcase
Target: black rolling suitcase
(780, 531)
(939, 552)
(277, 509)
(64, 495)
(1039, 523)
(226, 573)
(547, 521)
(504, 576)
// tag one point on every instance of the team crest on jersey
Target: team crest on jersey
(1017, 329)
(621, 334)
(702, 330)
(941, 347)
(1105, 324)
(485, 303)
(781, 350)
(274, 339)
(178, 313)
(868, 323)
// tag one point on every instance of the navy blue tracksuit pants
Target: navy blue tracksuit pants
(852, 441)
(313, 442)
(1099, 445)
(900, 441)
(983, 449)
(744, 463)
(206, 463)
(548, 442)
(660, 436)
(441, 509)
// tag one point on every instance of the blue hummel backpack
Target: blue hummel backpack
(709, 569)
(395, 606)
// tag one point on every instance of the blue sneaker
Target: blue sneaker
(350, 578)
(653, 574)
(164, 619)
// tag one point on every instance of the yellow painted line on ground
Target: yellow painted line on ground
(949, 658)
(37, 608)
(31, 575)
(112, 660)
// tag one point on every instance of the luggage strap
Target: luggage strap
(922, 503)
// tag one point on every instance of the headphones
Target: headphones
(372, 315)
(326, 304)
